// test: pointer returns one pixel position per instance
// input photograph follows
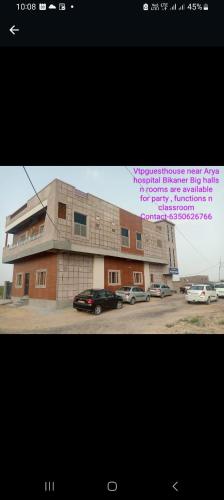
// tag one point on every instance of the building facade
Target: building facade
(68, 240)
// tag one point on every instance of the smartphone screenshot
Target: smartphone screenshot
(117, 23)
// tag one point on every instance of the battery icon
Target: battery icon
(205, 6)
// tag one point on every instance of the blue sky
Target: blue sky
(115, 185)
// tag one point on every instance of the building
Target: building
(196, 279)
(73, 240)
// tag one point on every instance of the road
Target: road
(168, 315)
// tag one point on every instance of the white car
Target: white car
(201, 293)
(219, 289)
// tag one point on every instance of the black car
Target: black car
(95, 300)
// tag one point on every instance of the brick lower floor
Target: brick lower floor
(67, 274)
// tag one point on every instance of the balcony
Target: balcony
(24, 247)
(26, 240)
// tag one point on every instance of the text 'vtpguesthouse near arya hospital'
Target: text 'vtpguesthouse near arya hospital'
(83, 242)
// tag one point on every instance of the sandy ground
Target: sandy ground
(169, 315)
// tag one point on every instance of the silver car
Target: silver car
(133, 294)
(160, 290)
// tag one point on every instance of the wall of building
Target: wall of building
(170, 245)
(74, 274)
(103, 223)
(156, 272)
(98, 271)
(31, 265)
(126, 268)
(134, 224)
(155, 241)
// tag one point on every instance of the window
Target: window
(41, 228)
(172, 235)
(168, 233)
(138, 278)
(170, 257)
(19, 280)
(41, 278)
(80, 224)
(61, 210)
(124, 237)
(100, 294)
(159, 244)
(114, 277)
(139, 241)
(174, 263)
(152, 278)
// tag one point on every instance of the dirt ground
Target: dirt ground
(168, 315)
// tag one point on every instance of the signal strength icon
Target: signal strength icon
(174, 7)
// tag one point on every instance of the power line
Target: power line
(196, 250)
(40, 199)
(200, 272)
(129, 171)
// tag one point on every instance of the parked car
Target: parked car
(219, 289)
(188, 286)
(201, 293)
(133, 294)
(160, 290)
(96, 300)
(184, 289)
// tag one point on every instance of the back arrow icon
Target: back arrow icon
(174, 486)
(13, 29)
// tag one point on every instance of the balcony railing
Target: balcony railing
(26, 240)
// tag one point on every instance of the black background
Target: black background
(113, 23)
(113, 406)
(142, 410)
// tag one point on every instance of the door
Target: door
(27, 284)
(110, 300)
(136, 293)
(211, 292)
(141, 294)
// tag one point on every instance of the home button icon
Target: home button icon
(112, 486)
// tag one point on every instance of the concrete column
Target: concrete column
(98, 271)
(146, 275)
